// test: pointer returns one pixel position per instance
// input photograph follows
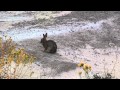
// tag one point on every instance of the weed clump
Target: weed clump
(12, 59)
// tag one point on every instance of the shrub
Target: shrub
(107, 76)
(12, 58)
(86, 68)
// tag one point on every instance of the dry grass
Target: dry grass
(12, 59)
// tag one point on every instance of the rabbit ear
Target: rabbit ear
(43, 35)
(46, 34)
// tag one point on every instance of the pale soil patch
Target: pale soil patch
(5, 26)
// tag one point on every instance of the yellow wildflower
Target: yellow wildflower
(81, 64)
(85, 67)
(80, 73)
(90, 68)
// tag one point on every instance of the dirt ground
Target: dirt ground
(82, 39)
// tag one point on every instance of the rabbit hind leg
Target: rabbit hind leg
(48, 49)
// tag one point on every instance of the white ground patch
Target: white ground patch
(24, 34)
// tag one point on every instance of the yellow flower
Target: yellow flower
(90, 68)
(85, 67)
(80, 73)
(81, 64)
(13, 51)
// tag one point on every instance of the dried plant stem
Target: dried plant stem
(25, 71)
(115, 61)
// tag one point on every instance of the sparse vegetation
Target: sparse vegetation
(86, 69)
(107, 76)
(12, 59)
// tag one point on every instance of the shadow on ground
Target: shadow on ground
(53, 61)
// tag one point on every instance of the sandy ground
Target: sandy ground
(66, 29)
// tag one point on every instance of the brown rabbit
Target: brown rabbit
(49, 45)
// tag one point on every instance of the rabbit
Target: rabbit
(49, 45)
